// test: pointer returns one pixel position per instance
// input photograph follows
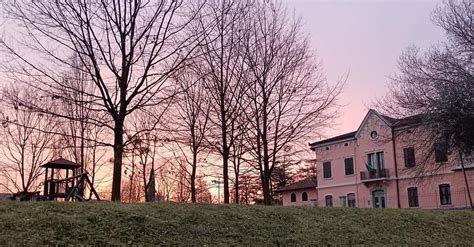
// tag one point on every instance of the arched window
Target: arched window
(293, 197)
(304, 197)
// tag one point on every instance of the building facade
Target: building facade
(301, 193)
(380, 166)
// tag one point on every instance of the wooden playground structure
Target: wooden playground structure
(69, 188)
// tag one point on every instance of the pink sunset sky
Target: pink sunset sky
(364, 38)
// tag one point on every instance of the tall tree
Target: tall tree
(222, 60)
(192, 114)
(239, 161)
(288, 97)
(129, 49)
(439, 86)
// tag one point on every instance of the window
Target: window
(293, 197)
(409, 154)
(375, 161)
(351, 200)
(413, 197)
(373, 135)
(441, 152)
(304, 197)
(327, 169)
(342, 201)
(349, 166)
(328, 200)
(445, 194)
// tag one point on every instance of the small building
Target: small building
(301, 193)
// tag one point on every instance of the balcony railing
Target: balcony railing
(375, 174)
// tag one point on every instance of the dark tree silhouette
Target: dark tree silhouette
(128, 49)
(288, 97)
(191, 110)
(222, 63)
(439, 86)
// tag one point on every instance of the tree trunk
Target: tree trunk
(236, 193)
(81, 188)
(193, 178)
(118, 153)
(225, 175)
(132, 178)
(267, 198)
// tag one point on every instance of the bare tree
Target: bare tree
(438, 87)
(223, 67)
(95, 156)
(166, 182)
(132, 190)
(26, 142)
(240, 150)
(203, 195)
(192, 113)
(78, 139)
(143, 149)
(129, 49)
(249, 188)
(288, 96)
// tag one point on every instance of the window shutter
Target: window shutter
(349, 166)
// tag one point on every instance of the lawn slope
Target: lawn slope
(34, 223)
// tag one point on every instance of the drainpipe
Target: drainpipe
(396, 167)
(357, 174)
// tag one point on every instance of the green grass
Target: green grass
(34, 223)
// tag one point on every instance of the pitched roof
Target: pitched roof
(390, 121)
(61, 164)
(336, 138)
(415, 119)
(302, 184)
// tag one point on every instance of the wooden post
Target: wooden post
(66, 186)
(52, 186)
(74, 173)
(45, 190)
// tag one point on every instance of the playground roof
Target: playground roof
(61, 164)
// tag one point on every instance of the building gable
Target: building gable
(371, 114)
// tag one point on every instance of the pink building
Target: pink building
(377, 166)
(302, 193)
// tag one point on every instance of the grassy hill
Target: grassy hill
(33, 223)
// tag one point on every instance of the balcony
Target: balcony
(375, 175)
